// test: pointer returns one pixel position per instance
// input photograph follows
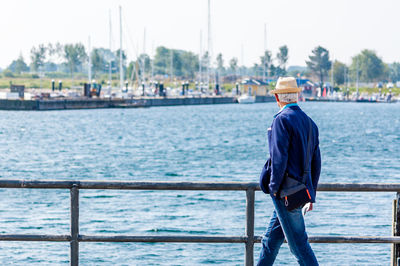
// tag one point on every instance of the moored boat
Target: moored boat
(247, 99)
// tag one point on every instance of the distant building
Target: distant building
(307, 87)
(255, 86)
(20, 89)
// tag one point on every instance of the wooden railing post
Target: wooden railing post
(393, 246)
(396, 249)
(74, 243)
(249, 255)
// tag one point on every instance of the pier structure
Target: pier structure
(249, 239)
(134, 102)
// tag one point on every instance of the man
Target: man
(288, 139)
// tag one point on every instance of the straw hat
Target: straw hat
(286, 85)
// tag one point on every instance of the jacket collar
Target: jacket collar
(286, 106)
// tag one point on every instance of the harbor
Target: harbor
(140, 132)
(91, 96)
(188, 144)
(143, 102)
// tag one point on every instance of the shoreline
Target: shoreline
(102, 103)
(140, 102)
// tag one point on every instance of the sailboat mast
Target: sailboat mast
(265, 49)
(242, 59)
(172, 64)
(152, 61)
(357, 76)
(121, 70)
(143, 57)
(209, 45)
(110, 44)
(90, 62)
(200, 62)
(332, 73)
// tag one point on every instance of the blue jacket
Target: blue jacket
(287, 138)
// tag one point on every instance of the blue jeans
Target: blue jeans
(289, 224)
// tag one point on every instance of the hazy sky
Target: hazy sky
(344, 27)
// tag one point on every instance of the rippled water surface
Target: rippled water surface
(359, 143)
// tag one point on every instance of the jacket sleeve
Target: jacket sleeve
(316, 165)
(279, 146)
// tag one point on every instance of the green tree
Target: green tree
(205, 58)
(233, 67)
(123, 59)
(319, 63)
(255, 69)
(38, 55)
(55, 52)
(98, 61)
(339, 72)
(143, 63)
(176, 63)
(274, 70)
(282, 57)
(131, 70)
(394, 72)
(18, 66)
(370, 66)
(220, 62)
(184, 63)
(267, 60)
(233, 64)
(190, 64)
(161, 60)
(8, 74)
(74, 55)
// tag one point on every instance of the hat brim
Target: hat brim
(285, 90)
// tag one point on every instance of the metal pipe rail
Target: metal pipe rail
(197, 239)
(248, 239)
(167, 185)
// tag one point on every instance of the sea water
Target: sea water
(360, 142)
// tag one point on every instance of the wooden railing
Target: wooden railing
(248, 238)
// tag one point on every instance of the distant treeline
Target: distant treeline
(73, 58)
(63, 60)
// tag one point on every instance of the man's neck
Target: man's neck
(281, 104)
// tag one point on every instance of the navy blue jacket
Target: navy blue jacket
(287, 140)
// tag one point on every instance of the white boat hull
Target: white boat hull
(245, 99)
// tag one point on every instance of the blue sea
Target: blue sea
(360, 142)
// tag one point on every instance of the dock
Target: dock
(96, 103)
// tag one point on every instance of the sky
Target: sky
(344, 27)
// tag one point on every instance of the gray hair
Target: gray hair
(288, 97)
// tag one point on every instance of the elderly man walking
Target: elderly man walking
(290, 176)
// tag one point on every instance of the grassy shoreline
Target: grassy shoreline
(45, 83)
